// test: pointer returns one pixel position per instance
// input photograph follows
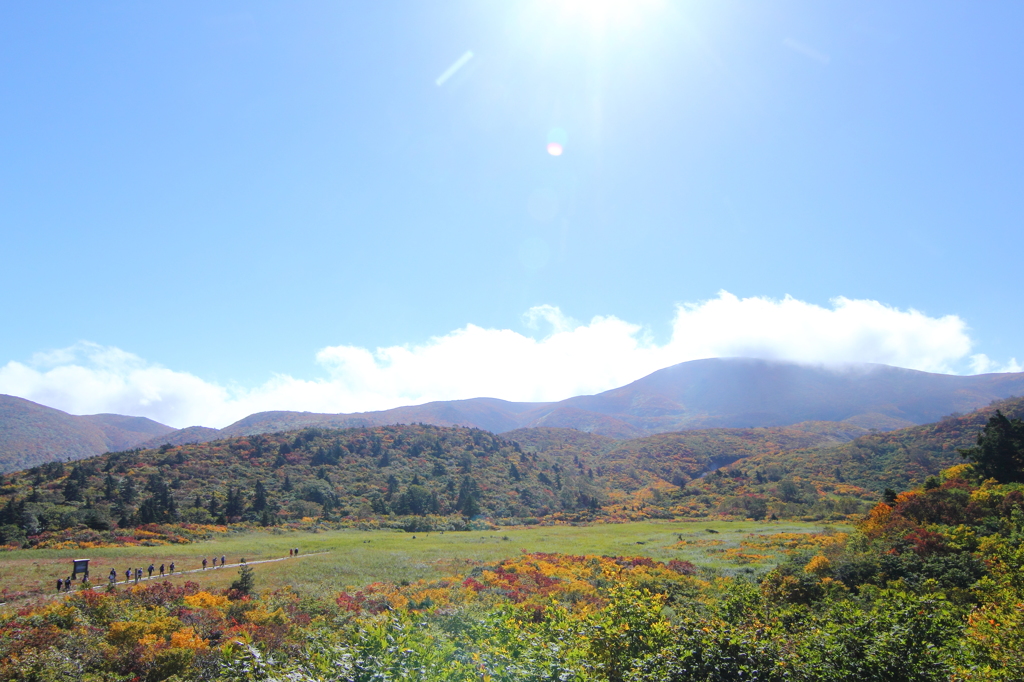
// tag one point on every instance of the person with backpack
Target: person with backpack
(112, 577)
(128, 576)
(204, 563)
(150, 569)
(172, 568)
(161, 570)
(60, 585)
(138, 575)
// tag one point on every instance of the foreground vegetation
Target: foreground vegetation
(926, 587)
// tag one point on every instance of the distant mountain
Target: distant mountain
(715, 393)
(31, 433)
(702, 394)
(192, 434)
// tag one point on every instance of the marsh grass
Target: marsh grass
(331, 561)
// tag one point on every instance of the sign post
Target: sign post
(80, 566)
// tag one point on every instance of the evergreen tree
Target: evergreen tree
(235, 504)
(468, 489)
(259, 502)
(109, 488)
(287, 487)
(999, 453)
(246, 581)
(471, 507)
(72, 490)
(128, 491)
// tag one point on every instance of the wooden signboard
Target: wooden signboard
(81, 566)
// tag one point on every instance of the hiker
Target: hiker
(150, 569)
(290, 552)
(222, 560)
(296, 551)
(60, 584)
(204, 563)
(172, 567)
(67, 584)
(112, 577)
(161, 570)
(138, 575)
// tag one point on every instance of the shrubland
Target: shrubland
(927, 587)
(420, 478)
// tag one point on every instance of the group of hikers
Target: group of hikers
(223, 561)
(64, 585)
(137, 573)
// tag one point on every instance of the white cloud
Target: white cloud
(574, 358)
(982, 364)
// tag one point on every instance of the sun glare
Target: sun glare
(604, 13)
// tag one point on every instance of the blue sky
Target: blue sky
(226, 194)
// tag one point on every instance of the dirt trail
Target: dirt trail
(144, 578)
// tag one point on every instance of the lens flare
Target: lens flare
(554, 149)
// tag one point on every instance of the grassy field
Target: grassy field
(333, 560)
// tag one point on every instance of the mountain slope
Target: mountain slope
(714, 393)
(875, 461)
(31, 433)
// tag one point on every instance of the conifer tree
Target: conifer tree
(259, 502)
(999, 453)
(109, 488)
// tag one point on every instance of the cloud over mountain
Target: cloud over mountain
(567, 358)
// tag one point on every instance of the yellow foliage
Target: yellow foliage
(955, 472)
(260, 616)
(907, 495)
(187, 638)
(131, 632)
(877, 518)
(125, 632)
(819, 565)
(205, 600)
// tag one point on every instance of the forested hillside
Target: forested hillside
(837, 480)
(412, 472)
(420, 477)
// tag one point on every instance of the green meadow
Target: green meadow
(331, 561)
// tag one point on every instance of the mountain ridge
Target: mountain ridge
(700, 394)
(31, 433)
